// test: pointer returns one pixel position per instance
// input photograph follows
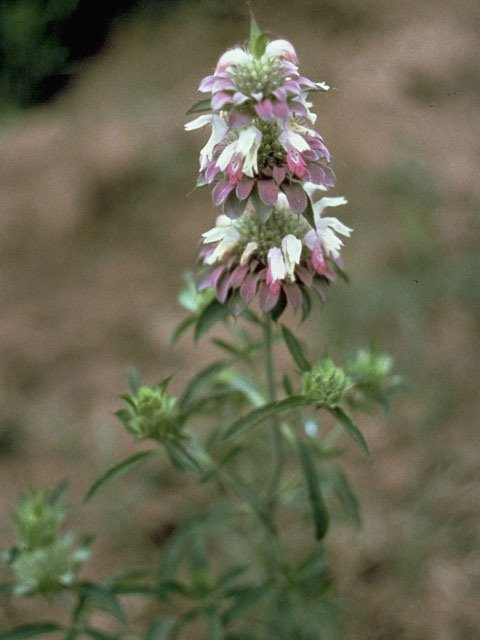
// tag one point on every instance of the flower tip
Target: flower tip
(281, 49)
(231, 58)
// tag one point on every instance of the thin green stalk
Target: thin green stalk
(77, 615)
(277, 441)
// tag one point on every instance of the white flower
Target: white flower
(247, 146)
(232, 58)
(291, 250)
(249, 250)
(225, 234)
(219, 131)
(281, 49)
(289, 139)
(276, 264)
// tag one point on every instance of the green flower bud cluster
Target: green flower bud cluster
(259, 76)
(325, 384)
(43, 561)
(371, 372)
(371, 367)
(151, 414)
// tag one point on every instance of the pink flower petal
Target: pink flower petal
(278, 174)
(330, 179)
(296, 196)
(248, 288)
(223, 287)
(317, 174)
(221, 191)
(220, 99)
(207, 83)
(238, 276)
(281, 110)
(268, 191)
(244, 188)
(264, 110)
(238, 120)
(294, 295)
(268, 298)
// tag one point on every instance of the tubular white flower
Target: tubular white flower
(219, 130)
(292, 250)
(249, 142)
(289, 139)
(225, 234)
(249, 250)
(281, 49)
(276, 264)
(232, 58)
(199, 122)
(323, 203)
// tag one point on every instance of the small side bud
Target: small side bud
(37, 519)
(325, 384)
(371, 372)
(151, 414)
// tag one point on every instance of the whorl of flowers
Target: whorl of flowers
(262, 142)
(279, 259)
(268, 168)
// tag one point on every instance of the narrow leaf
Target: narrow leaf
(201, 105)
(244, 598)
(29, 631)
(352, 430)
(258, 415)
(182, 328)
(250, 495)
(103, 599)
(158, 630)
(200, 381)
(258, 40)
(213, 313)
(317, 504)
(295, 349)
(134, 380)
(214, 623)
(345, 495)
(118, 470)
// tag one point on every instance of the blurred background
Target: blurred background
(98, 222)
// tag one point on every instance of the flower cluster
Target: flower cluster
(43, 561)
(262, 142)
(280, 258)
(151, 414)
(268, 168)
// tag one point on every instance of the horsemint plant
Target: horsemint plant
(240, 568)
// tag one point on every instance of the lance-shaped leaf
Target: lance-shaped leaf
(345, 495)
(201, 105)
(258, 40)
(30, 631)
(296, 350)
(213, 313)
(251, 497)
(317, 504)
(201, 380)
(96, 634)
(182, 328)
(352, 430)
(119, 470)
(262, 413)
(103, 599)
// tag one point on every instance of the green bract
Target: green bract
(151, 414)
(49, 568)
(37, 519)
(325, 384)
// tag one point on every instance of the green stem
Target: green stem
(277, 442)
(77, 616)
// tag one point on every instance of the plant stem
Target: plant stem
(277, 443)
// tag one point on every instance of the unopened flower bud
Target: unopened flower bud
(151, 413)
(37, 519)
(325, 384)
